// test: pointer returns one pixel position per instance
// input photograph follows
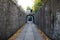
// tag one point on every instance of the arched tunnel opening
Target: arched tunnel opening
(29, 18)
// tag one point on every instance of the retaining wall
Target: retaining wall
(11, 18)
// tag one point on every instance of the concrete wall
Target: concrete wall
(48, 19)
(56, 13)
(11, 18)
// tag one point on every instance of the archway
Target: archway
(29, 18)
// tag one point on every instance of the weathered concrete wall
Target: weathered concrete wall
(56, 13)
(48, 19)
(11, 18)
(54, 29)
(3, 8)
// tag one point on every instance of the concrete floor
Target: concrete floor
(30, 33)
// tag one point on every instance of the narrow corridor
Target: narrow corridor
(29, 33)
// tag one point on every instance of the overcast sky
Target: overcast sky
(26, 3)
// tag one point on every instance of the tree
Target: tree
(28, 8)
(37, 5)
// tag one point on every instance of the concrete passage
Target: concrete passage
(29, 33)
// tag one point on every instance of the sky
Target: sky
(26, 3)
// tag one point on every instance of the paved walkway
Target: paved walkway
(29, 33)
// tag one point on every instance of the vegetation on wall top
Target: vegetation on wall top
(37, 5)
